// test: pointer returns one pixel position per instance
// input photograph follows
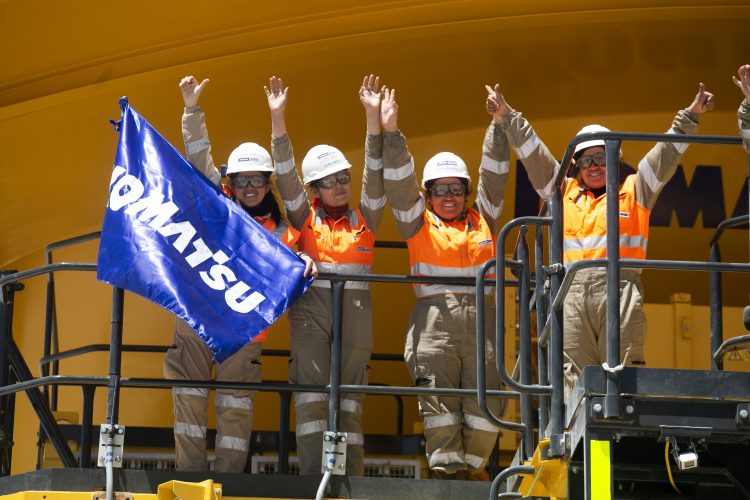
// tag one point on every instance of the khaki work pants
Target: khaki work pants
(190, 359)
(585, 323)
(310, 363)
(440, 351)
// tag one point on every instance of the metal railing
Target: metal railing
(115, 382)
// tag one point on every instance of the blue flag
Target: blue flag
(171, 236)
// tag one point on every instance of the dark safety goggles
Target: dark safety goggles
(242, 181)
(456, 189)
(599, 159)
(329, 181)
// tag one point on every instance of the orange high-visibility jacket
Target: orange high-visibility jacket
(456, 248)
(285, 234)
(585, 223)
(342, 246)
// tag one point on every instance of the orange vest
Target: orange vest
(456, 248)
(341, 246)
(585, 223)
(288, 236)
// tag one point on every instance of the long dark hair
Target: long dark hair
(269, 204)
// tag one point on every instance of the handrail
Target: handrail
(159, 383)
(77, 351)
(500, 307)
(728, 344)
(114, 381)
(727, 224)
(716, 314)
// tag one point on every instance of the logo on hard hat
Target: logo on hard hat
(447, 162)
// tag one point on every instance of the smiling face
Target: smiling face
(338, 194)
(595, 176)
(448, 206)
(250, 195)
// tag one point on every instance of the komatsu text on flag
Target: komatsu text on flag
(171, 236)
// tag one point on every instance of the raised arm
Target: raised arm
(743, 113)
(540, 164)
(399, 179)
(372, 201)
(493, 170)
(289, 184)
(194, 131)
(660, 163)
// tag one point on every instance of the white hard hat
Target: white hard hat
(589, 129)
(249, 157)
(444, 165)
(322, 160)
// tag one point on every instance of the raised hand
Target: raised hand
(704, 101)
(276, 94)
(389, 110)
(370, 93)
(496, 104)
(744, 81)
(191, 90)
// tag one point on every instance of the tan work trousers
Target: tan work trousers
(441, 352)
(190, 359)
(585, 322)
(310, 363)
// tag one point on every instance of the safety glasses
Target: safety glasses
(456, 189)
(599, 159)
(242, 181)
(329, 181)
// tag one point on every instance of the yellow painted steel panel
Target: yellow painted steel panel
(601, 470)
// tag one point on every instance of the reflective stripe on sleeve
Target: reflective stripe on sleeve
(498, 167)
(491, 210)
(679, 146)
(373, 203)
(529, 146)
(647, 173)
(546, 191)
(400, 173)
(373, 163)
(412, 214)
(193, 147)
(294, 204)
(284, 167)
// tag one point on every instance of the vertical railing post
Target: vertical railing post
(555, 351)
(612, 397)
(337, 310)
(7, 403)
(285, 402)
(87, 420)
(541, 318)
(115, 356)
(715, 308)
(524, 347)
